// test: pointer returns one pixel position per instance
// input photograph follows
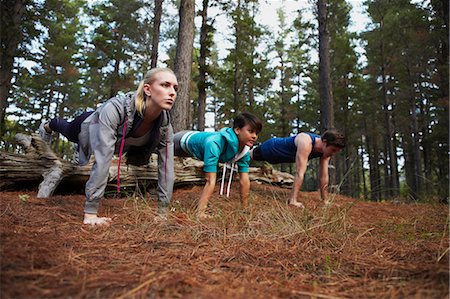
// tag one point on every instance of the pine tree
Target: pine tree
(326, 95)
(52, 88)
(245, 74)
(18, 28)
(183, 66)
(113, 45)
(299, 57)
(344, 77)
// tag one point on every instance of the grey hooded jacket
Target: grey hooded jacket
(101, 135)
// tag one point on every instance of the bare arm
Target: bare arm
(103, 144)
(206, 193)
(323, 178)
(244, 181)
(301, 162)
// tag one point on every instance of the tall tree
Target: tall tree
(402, 56)
(284, 66)
(114, 41)
(183, 65)
(285, 94)
(325, 89)
(326, 103)
(245, 73)
(344, 77)
(16, 32)
(436, 141)
(409, 26)
(206, 42)
(299, 56)
(51, 87)
(155, 36)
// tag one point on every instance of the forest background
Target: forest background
(61, 58)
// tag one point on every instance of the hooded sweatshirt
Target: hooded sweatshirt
(102, 134)
(215, 147)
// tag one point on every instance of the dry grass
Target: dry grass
(270, 250)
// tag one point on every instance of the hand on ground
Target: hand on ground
(296, 204)
(93, 219)
(203, 215)
(327, 202)
(160, 218)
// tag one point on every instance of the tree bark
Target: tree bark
(393, 187)
(183, 65)
(374, 169)
(10, 15)
(363, 171)
(326, 103)
(325, 89)
(156, 33)
(202, 67)
(414, 131)
(237, 78)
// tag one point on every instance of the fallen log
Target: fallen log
(40, 167)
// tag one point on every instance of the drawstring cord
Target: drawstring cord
(167, 153)
(233, 164)
(120, 154)
(225, 166)
(223, 177)
(230, 180)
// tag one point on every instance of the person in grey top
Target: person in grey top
(136, 123)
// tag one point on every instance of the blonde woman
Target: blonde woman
(136, 123)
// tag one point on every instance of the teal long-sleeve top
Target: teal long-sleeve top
(216, 147)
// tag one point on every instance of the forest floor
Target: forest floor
(355, 249)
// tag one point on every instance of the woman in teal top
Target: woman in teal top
(229, 145)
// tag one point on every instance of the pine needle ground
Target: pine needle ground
(353, 249)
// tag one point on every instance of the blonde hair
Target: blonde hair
(149, 78)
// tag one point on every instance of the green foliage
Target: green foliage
(75, 54)
(242, 81)
(53, 82)
(121, 33)
(409, 51)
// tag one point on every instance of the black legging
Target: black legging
(69, 129)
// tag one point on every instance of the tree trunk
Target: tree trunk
(363, 172)
(356, 176)
(10, 15)
(392, 182)
(408, 154)
(373, 153)
(156, 33)
(237, 80)
(414, 127)
(202, 67)
(326, 95)
(284, 125)
(183, 65)
(326, 103)
(250, 96)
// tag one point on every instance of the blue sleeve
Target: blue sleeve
(243, 163)
(211, 155)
